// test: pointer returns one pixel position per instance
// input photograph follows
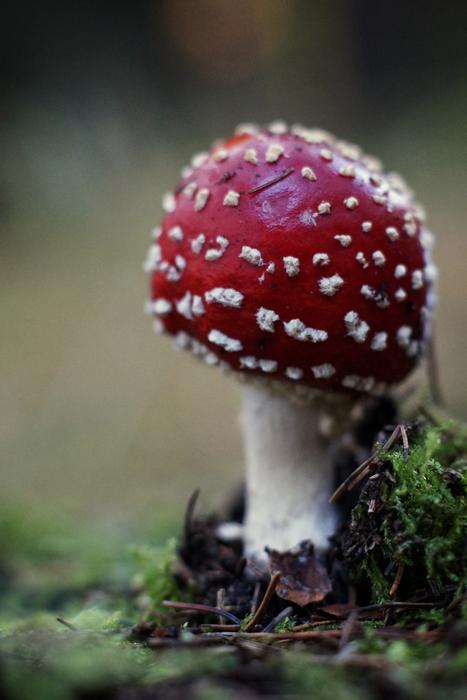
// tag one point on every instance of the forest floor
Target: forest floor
(383, 616)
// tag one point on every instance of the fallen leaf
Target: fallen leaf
(303, 579)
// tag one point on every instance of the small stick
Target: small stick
(360, 472)
(394, 604)
(394, 436)
(296, 636)
(343, 487)
(271, 626)
(272, 181)
(405, 442)
(310, 625)
(199, 607)
(326, 635)
(67, 624)
(265, 602)
(362, 475)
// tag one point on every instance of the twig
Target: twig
(199, 607)
(398, 579)
(326, 635)
(310, 625)
(394, 604)
(405, 442)
(343, 487)
(296, 636)
(362, 474)
(265, 602)
(392, 439)
(361, 471)
(271, 626)
(376, 607)
(67, 624)
(272, 181)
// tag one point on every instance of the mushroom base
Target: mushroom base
(289, 476)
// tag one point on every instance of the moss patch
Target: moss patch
(412, 515)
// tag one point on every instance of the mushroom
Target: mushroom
(291, 258)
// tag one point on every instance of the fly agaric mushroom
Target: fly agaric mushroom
(290, 257)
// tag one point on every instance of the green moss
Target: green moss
(320, 681)
(423, 516)
(97, 620)
(155, 574)
(245, 621)
(287, 625)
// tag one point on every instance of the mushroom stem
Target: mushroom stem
(289, 475)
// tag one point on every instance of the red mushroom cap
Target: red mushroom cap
(291, 254)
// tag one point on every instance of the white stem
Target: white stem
(288, 474)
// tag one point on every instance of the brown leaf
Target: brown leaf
(303, 579)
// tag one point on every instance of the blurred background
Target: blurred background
(102, 103)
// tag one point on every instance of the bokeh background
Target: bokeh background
(102, 103)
